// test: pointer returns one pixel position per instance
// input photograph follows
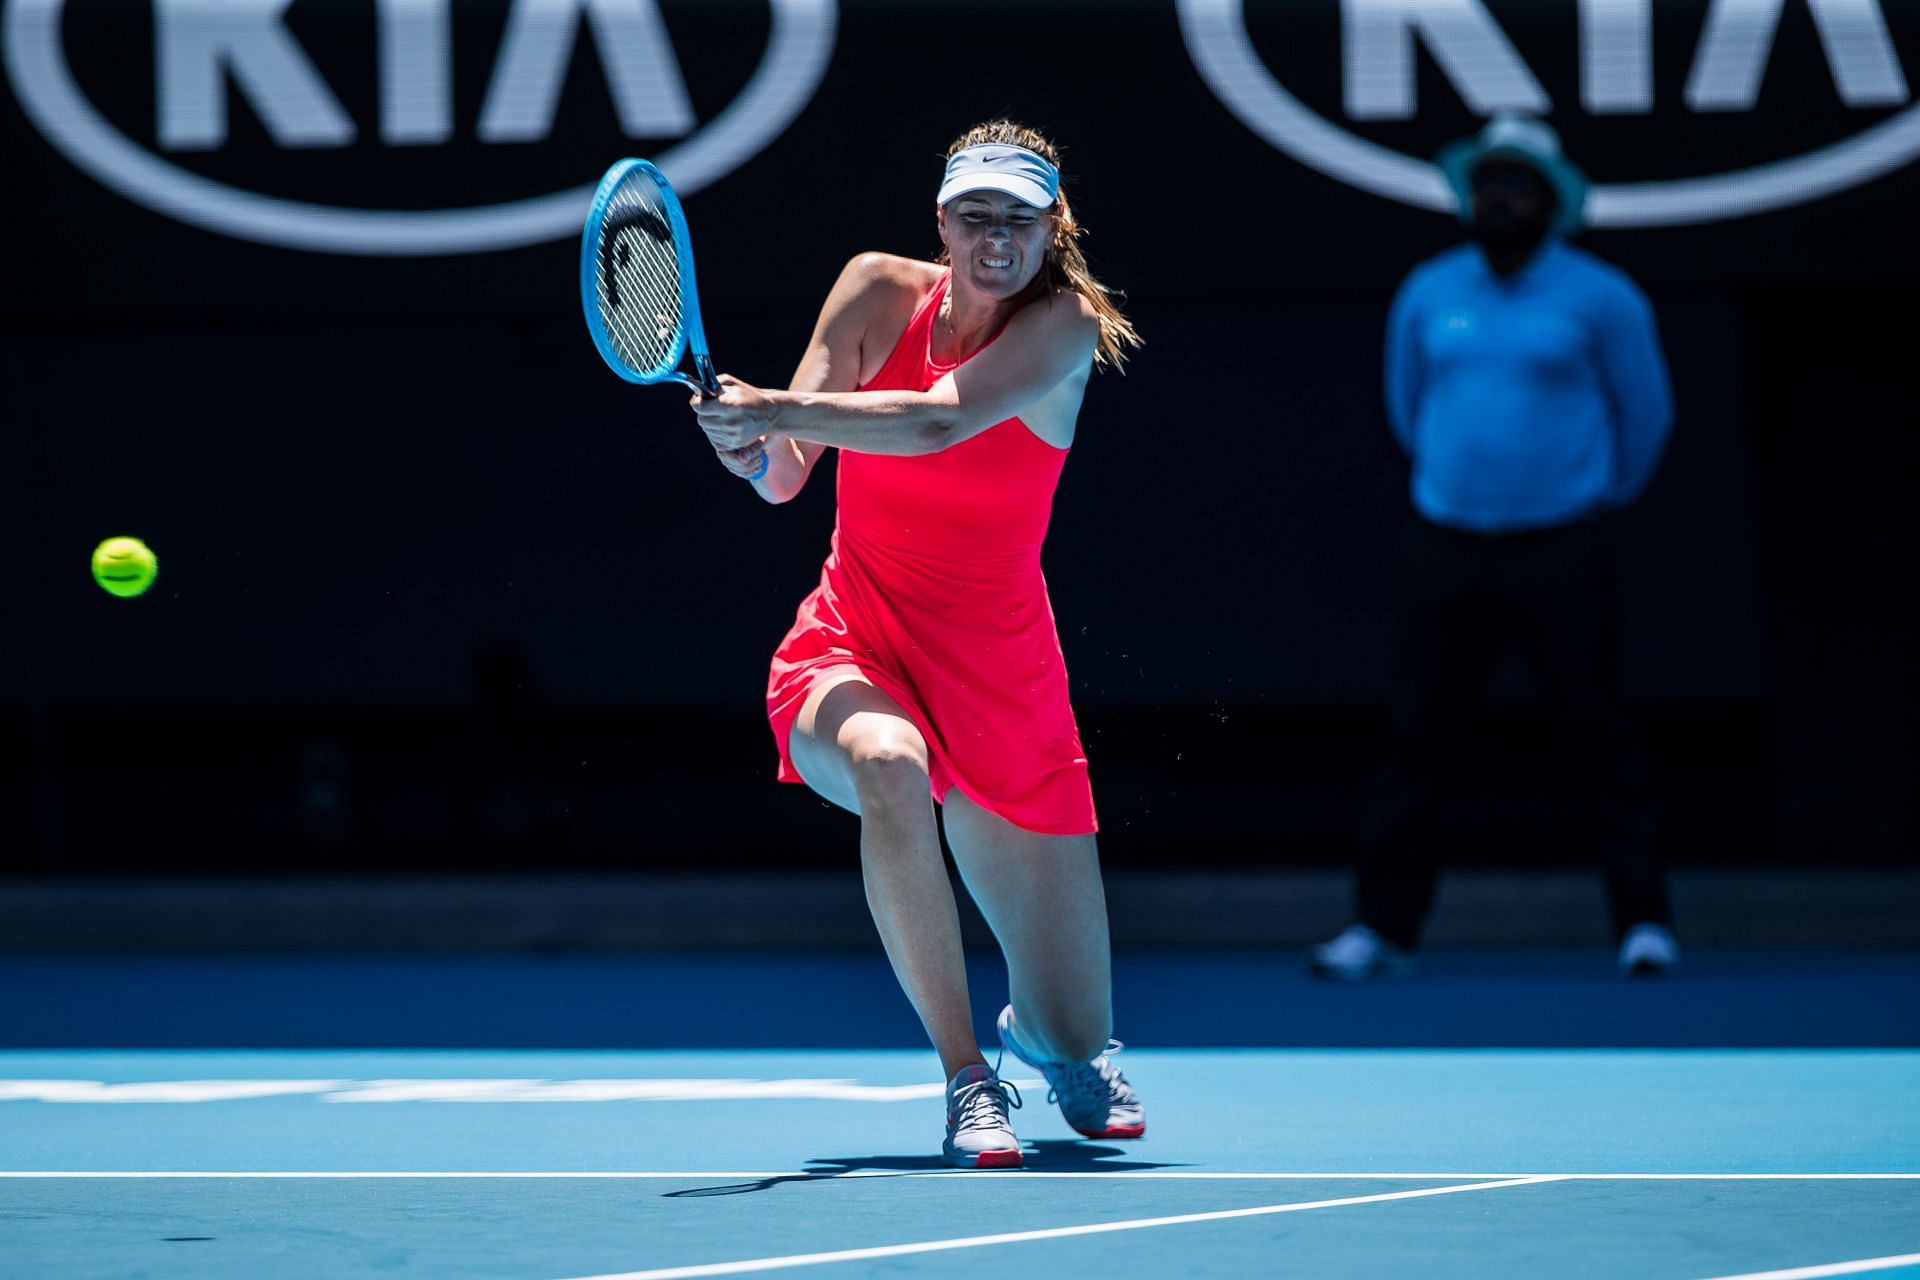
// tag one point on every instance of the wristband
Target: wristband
(766, 460)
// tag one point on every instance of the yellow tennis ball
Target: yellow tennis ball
(124, 566)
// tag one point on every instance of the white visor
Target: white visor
(994, 166)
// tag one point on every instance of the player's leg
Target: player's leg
(1043, 897)
(856, 747)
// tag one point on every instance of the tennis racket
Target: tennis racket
(636, 281)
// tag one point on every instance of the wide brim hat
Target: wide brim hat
(1530, 142)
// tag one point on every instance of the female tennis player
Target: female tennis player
(925, 667)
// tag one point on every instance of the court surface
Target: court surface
(1312, 1149)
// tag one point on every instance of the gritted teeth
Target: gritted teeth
(996, 262)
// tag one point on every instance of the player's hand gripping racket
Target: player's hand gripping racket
(636, 281)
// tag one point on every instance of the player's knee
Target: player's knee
(1062, 1034)
(1077, 1045)
(890, 764)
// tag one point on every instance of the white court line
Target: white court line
(1832, 1269)
(1048, 1233)
(443, 1089)
(965, 1174)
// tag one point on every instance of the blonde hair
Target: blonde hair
(1065, 267)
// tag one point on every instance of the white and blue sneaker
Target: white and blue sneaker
(979, 1134)
(1356, 955)
(1649, 951)
(1093, 1096)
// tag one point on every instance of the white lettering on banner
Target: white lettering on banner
(1377, 56)
(198, 42)
(416, 73)
(444, 1090)
(641, 70)
(1739, 38)
(1616, 56)
(1615, 79)
(201, 42)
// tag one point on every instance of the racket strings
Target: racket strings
(638, 278)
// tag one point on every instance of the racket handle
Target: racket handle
(703, 373)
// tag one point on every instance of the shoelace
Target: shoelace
(1096, 1078)
(974, 1103)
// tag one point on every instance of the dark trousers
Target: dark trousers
(1551, 598)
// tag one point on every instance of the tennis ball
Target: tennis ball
(124, 566)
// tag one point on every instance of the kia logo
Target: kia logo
(1616, 77)
(200, 44)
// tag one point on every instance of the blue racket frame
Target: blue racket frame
(691, 334)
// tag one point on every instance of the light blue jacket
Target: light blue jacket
(1527, 402)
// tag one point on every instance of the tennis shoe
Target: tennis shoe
(1357, 954)
(979, 1133)
(1093, 1096)
(1649, 951)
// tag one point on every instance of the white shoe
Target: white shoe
(979, 1134)
(1094, 1097)
(1649, 951)
(1357, 955)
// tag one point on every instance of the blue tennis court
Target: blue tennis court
(1270, 1158)
(1216, 485)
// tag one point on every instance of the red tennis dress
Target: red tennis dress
(933, 592)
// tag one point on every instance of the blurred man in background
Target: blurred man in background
(1525, 380)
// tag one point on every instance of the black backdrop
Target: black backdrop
(438, 590)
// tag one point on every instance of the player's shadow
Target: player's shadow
(1046, 1155)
